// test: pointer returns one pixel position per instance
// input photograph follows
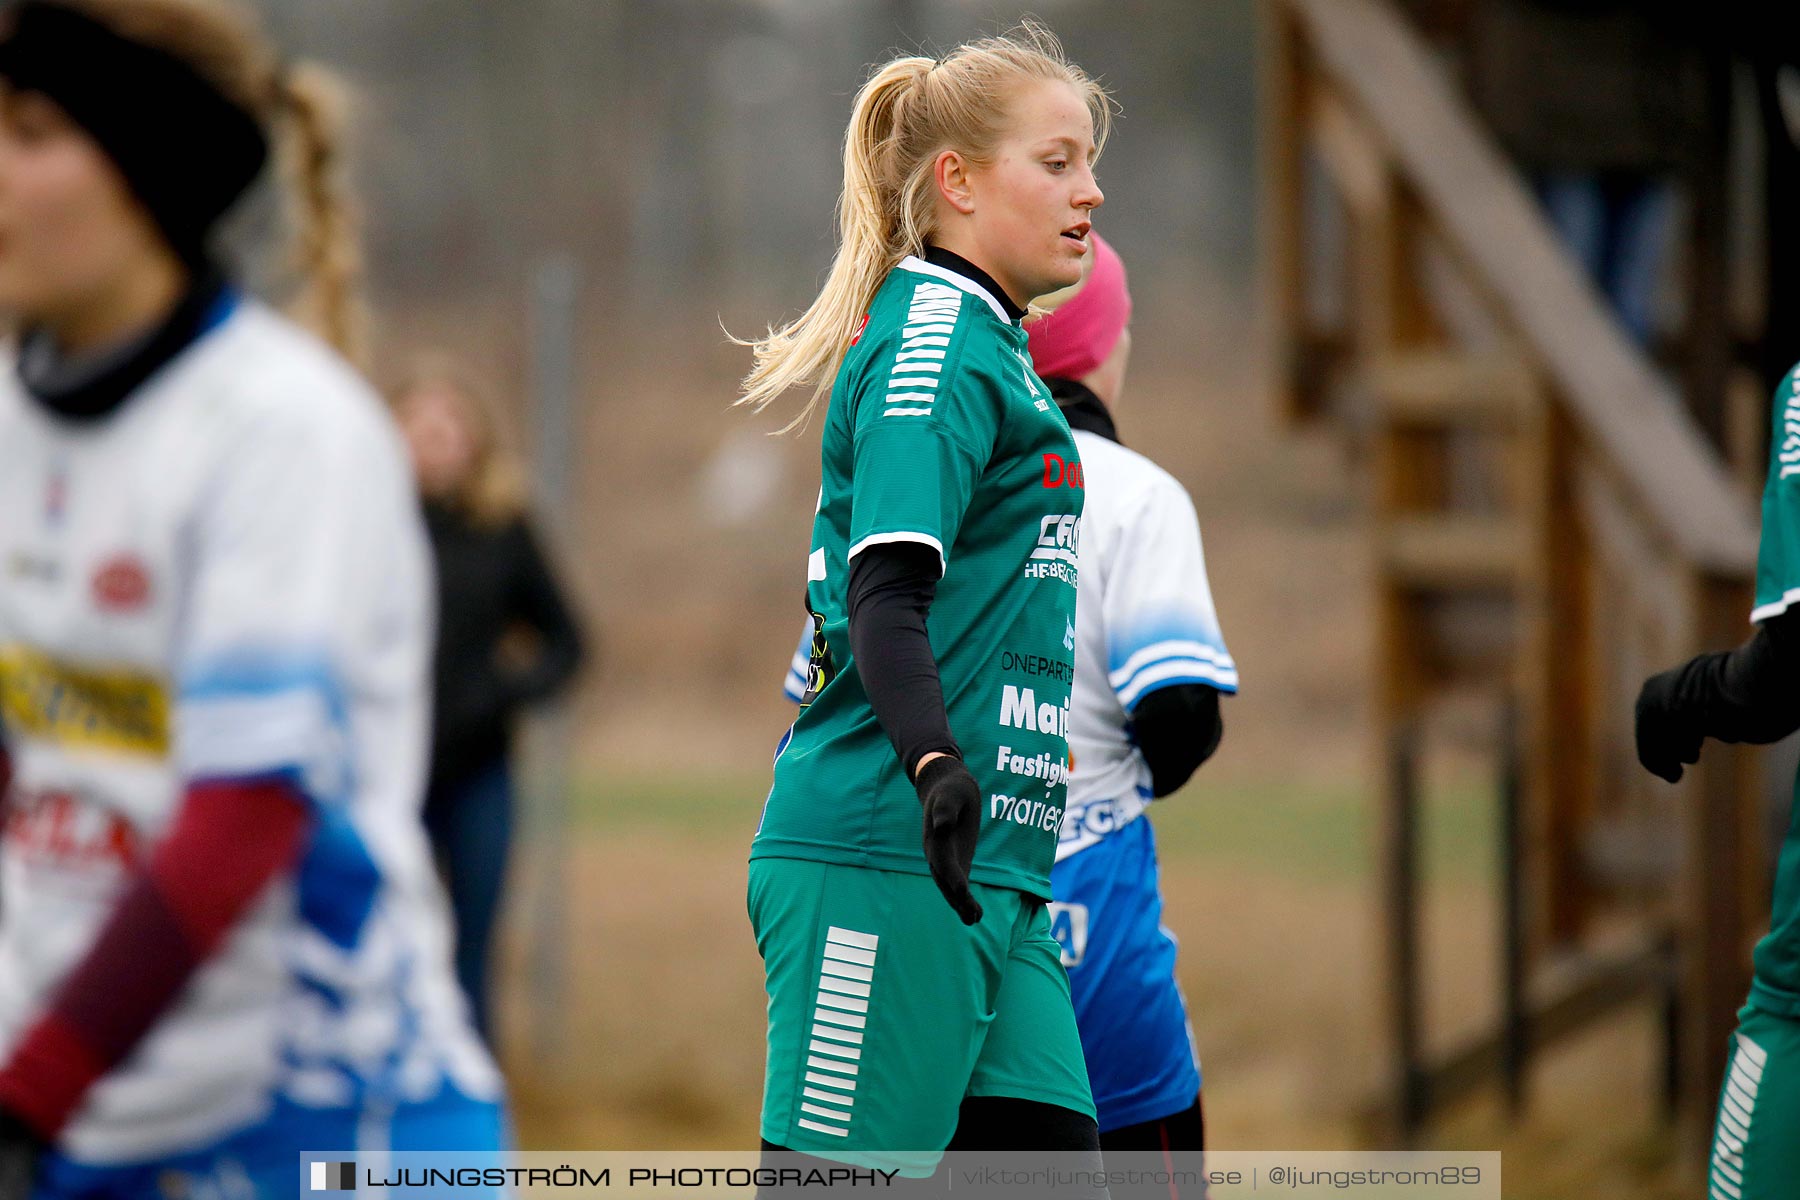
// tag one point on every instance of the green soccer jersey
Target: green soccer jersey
(1777, 984)
(938, 434)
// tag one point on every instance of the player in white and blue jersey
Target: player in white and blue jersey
(1150, 668)
(222, 942)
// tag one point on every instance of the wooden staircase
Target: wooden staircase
(1525, 459)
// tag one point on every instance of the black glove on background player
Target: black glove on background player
(952, 804)
(19, 1150)
(1751, 694)
(1668, 730)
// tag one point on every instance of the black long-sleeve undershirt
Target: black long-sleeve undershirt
(1748, 694)
(890, 594)
(1176, 729)
(891, 589)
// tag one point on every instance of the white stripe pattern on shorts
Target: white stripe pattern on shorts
(1737, 1108)
(846, 976)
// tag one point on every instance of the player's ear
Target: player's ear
(951, 170)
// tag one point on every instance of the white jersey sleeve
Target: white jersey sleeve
(1160, 625)
(301, 568)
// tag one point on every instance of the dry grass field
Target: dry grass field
(664, 1042)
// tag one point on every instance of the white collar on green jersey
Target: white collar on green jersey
(919, 266)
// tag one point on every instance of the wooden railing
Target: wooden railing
(1525, 460)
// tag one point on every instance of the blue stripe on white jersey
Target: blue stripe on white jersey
(264, 713)
(1166, 651)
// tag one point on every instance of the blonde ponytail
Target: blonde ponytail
(327, 254)
(910, 110)
(808, 349)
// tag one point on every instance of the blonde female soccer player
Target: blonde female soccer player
(1151, 670)
(221, 943)
(916, 997)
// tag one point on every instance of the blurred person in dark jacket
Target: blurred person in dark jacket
(1603, 104)
(506, 640)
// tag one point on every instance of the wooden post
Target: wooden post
(1515, 1033)
(555, 305)
(1410, 478)
(1282, 198)
(1722, 872)
(1412, 1100)
(1410, 467)
(1673, 1064)
(1709, 340)
(1558, 678)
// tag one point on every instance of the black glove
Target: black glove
(952, 804)
(19, 1150)
(1668, 733)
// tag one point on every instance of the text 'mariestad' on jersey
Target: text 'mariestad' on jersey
(227, 578)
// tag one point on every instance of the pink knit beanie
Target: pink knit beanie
(1075, 338)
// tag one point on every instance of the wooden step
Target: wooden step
(1451, 551)
(1445, 389)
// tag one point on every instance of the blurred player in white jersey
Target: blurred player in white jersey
(221, 940)
(1150, 668)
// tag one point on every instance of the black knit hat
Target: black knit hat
(186, 150)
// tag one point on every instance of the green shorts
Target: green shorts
(886, 1011)
(1756, 1143)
